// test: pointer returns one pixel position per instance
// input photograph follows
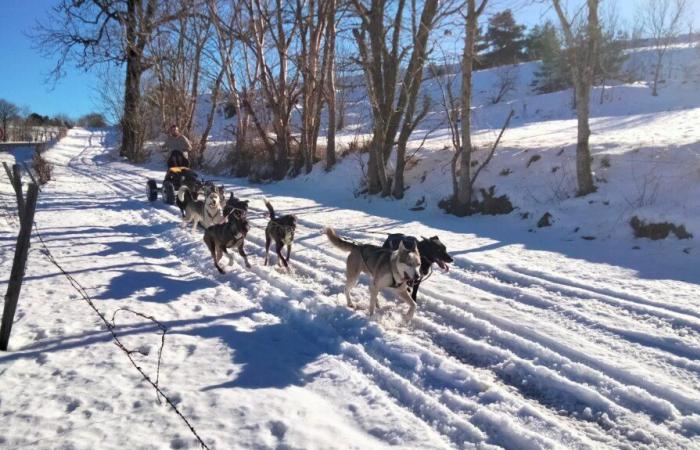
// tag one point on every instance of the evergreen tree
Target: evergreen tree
(538, 40)
(611, 58)
(480, 47)
(504, 39)
(543, 43)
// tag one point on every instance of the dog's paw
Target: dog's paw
(407, 319)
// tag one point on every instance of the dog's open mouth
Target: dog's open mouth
(442, 265)
(409, 280)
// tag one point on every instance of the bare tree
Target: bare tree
(313, 17)
(506, 79)
(582, 41)
(329, 88)
(90, 32)
(268, 29)
(662, 21)
(178, 66)
(382, 52)
(462, 199)
(109, 95)
(451, 107)
(8, 111)
(230, 31)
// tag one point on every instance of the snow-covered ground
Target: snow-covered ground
(572, 336)
(532, 340)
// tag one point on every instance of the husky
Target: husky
(207, 212)
(396, 269)
(235, 204)
(229, 234)
(281, 230)
(180, 199)
(432, 251)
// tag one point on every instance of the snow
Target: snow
(535, 338)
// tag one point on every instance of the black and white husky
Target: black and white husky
(229, 234)
(432, 251)
(207, 212)
(395, 269)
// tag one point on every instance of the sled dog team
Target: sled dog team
(400, 264)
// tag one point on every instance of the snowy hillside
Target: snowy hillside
(528, 342)
(646, 155)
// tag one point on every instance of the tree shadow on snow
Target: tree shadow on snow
(269, 355)
(151, 286)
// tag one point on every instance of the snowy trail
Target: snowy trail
(510, 348)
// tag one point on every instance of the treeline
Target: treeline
(18, 124)
(278, 67)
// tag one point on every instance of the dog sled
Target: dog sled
(175, 178)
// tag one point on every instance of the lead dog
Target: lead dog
(395, 269)
(207, 212)
(281, 230)
(220, 237)
(432, 251)
(235, 204)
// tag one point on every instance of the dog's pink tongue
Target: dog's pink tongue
(443, 266)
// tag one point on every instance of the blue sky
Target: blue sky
(23, 71)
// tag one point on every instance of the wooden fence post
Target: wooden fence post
(17, 275)
(31, 175)
(15, 177)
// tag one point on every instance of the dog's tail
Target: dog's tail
(183, 194)
(270, 208)
(338, 241)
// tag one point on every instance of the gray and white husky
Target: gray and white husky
(396, 269)
(207, 212)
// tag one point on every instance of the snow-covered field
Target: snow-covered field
(528, 342)
(573, 336)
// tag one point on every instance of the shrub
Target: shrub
(655, 231)
(42, 168)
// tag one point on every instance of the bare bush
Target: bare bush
(662, 21)
(42, 168)
(506, 80)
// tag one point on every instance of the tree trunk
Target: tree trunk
(583, 154)
(461, 204)
(398, 183)
(132, 139)
(409, 92)
(330, 88)
(584, 58)
(131, 122)
(657, 73)
(212, 113)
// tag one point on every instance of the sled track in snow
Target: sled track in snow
(478, 363)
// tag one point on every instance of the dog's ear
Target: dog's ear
(434, 238)
(230, 196)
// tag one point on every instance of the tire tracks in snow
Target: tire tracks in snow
(457, 337)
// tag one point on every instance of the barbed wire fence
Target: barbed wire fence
(111, 327)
